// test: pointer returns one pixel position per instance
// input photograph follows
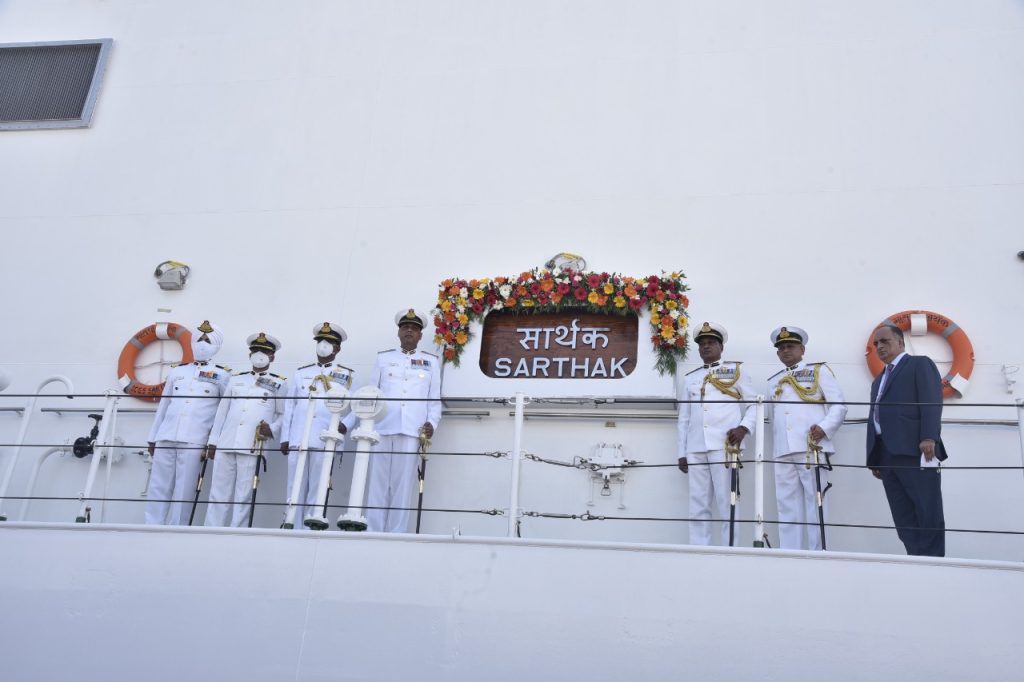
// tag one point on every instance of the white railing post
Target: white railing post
(30, 407)
(102, 440)
(1020, 426)
(759, 473)
(517, 453)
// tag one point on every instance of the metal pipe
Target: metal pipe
(517, 455)
(101, 441)
(32, 481)
(25, 421)
(110, 462)
(759, 473)
(316, 518)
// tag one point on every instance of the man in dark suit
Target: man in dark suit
(903, 435)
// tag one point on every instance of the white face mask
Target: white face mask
(259, 359)
(324, 349)
(202, 351)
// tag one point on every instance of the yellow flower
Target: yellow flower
(527, 302)
(671, 305)
(446, 305)
(438, 339)
(593, 296)
(463, 318)
(609, 288)
(667, 333)
(461, 338)
(620, 302)
(462, 301)
(477, 294)
(655, 318)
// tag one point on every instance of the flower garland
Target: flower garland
(460, 302)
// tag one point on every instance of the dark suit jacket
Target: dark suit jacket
(915, 379)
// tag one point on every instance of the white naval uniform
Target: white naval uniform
(795, 488)
(702, 429)
(294, 423)
(180, 430)
(392, 478)
(259, 399)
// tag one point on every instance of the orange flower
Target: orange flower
(449, 316)
(660, 295)
(461, 338)
(445, 284)
(473, 284)
(453, 291)
(525, 275)
(547, 285)
(500, 280)
(630, 291)
(680, 341)
(556, 298)
(685, 301)
(449, 353)
(510, 302)
(521, 291)
(602, 300)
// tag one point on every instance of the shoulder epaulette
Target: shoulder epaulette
(732, 362)
(226, 369)
(309, 365)
(278, 376)
(242, 374)
(389, 350)
(427, 352)
(692, 371)
(776, 374)
(344, 367)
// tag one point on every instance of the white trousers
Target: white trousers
(393, 481)
(174, 475)
(307, 502)
(796, 497)
(709, 496)
(231, 489)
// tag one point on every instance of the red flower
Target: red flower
(652, 289)
(635, 303)
(449, 353)
(542, 298)
(593, 281)
(492, 298)
(580, 294)
(653, 279)
(477, 308)
(535, 288)
(563, 289)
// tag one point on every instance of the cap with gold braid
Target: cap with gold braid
(263, 342)
(205, 327)
(789, 335)
(328, 331)
(712, 330)
(410, 316)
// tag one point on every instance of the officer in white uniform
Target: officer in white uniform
(810, 403)
(328, 337)
(182, 427)
(705, 426)
(252, 409)
(402, 373)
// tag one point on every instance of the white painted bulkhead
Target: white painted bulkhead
(823, 165)
(138, 603)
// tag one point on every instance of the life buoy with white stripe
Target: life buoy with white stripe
(169, 331)
(917, 322)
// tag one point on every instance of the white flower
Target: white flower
(505, 290)
(460, 308)
(463, 293)
(674, 314)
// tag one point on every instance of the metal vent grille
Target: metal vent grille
(49, 85)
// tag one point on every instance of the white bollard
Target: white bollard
(368, 405)
(337, 404)
(517, 444)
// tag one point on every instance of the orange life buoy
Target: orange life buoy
(131, 350)
(955, 382)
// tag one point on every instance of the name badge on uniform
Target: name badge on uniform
(268, 383)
